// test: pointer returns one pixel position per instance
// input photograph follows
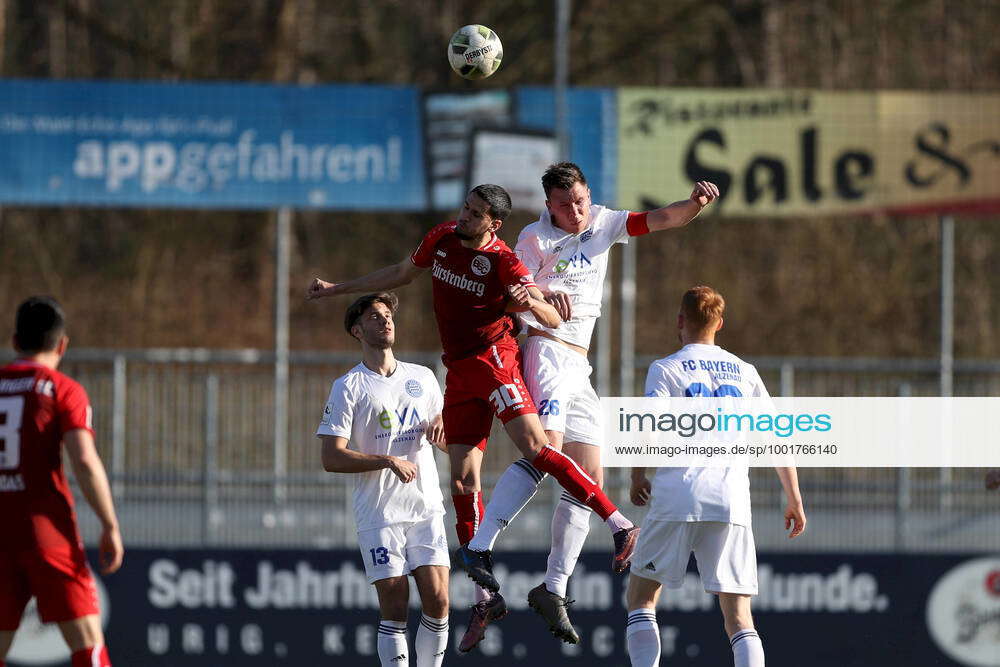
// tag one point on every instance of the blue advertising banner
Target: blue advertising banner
(246, 607)
(593, 144)
(210, 145)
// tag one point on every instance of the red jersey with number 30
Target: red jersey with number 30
(470, 289)
(38, 406)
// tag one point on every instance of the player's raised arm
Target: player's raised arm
(682, 212)
(93, 481)
(530, 298)
(338, 458)
(387, 278)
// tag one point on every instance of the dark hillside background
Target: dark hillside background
(847, 287)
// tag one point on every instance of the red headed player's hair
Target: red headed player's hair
(702, 306)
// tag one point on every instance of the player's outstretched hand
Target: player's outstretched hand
(639, 492)
(403, 469)
(318, 289)
(795, 518)
(519, 295)
(992, 480)
(704, 193)
(562, 304)
(110, 550)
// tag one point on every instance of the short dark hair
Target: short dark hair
(358, 308)
(39, 325)
(562, 175)
(496, 197)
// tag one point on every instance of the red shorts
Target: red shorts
(478, 387)
(59, 579)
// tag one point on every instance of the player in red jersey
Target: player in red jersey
(41, 553)
(478, 282)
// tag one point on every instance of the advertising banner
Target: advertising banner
(593, 138)
(800, 152)
(210, 145)
(726, 429)
(247, 607)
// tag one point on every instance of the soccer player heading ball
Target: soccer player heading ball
(478, 283)
(41, 555)
(567, 251)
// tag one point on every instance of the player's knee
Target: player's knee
(639, 595)
(393, 598)
(83, 632)
(436, 606)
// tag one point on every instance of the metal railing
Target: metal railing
(187, 435)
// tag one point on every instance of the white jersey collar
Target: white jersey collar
(557, 232)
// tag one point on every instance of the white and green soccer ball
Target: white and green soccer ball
(475, 52)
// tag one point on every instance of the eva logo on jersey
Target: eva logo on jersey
(407, 417)
(574, 262)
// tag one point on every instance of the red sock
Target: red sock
(574, 480)
(92, 656)
(469, 511)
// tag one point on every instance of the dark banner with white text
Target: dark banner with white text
(246, 607)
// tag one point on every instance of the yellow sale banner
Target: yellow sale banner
(800, 152)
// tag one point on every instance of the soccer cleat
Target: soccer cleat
(625, 540)
(479, 566)
(552, 608)
(483, 613)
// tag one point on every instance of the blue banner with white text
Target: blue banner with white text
(308, 607)
(211, 145)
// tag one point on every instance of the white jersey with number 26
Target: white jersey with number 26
(702, 494)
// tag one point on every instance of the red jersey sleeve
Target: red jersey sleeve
(423, 256)
(73, 407)
(514, 272)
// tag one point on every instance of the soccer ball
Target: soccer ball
(475, 52)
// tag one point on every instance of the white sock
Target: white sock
(642, 637)
(512, 492)
(617, 521)
(432, 641)
(392, 644)
(570, 525)
(747, 649)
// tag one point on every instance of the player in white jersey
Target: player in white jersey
(567, 251)
(380, 422)
(702, 510)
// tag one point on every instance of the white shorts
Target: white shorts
(558, 380)
(398, 549)
(724, 552)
